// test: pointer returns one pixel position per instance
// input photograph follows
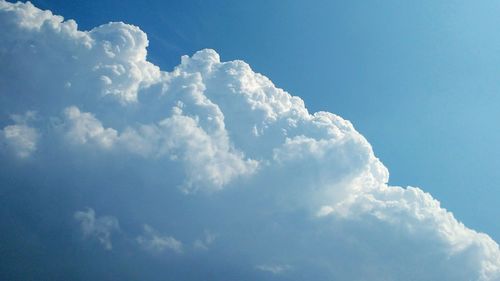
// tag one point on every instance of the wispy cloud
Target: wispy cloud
(99, 228)
(274, 269)
(205, 242)
(152, 240)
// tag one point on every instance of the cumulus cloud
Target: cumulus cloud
(20, 138)
(153, 241)
(84, 128)
(278, 182)
(99, 228)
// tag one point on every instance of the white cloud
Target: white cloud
(20, 137)
(112, 56)
(413, 216)
(83, 128)
(93, 69)
(99, 228)
(207, 158)
(153, 241)
(324, 204)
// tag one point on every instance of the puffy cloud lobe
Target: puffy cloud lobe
(230, 128)
(413, 215)
(99, 228)
(20, 138)
(206, 158)
(83, 128)
(109, 60)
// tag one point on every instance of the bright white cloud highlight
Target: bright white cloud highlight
(226, 128)
(84, 128)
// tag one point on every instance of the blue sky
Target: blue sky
(418, 79)
(118, 166)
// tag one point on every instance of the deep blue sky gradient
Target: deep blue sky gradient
(420, 79)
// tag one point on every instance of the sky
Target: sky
(122, 160)
(418, 79)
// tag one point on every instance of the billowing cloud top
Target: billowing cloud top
(210, 145)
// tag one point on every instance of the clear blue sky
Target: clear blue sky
(420, 79)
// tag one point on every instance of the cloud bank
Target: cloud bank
(208, 145)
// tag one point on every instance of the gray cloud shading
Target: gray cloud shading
(207, 145)
(205, 242)
(99, 228)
